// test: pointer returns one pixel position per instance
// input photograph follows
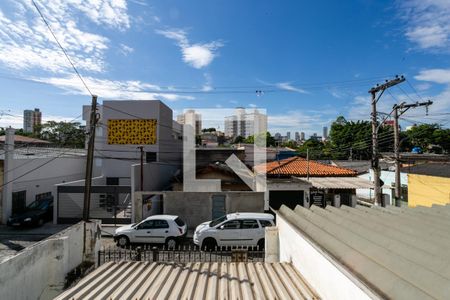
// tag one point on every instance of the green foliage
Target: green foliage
(270, 140)
(63, 134)
(211, 129)
(430, 137)
(238, 139)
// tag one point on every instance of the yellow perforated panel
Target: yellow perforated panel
(132, 132)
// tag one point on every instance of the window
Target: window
(249, 224)
(150, 156)
(157, 224)
(234, 224)
(265, 223)
(217, 221)
(112, 180)
(179, 222)
(146, 225)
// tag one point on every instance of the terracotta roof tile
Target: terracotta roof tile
(297, 166)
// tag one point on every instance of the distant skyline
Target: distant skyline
(305, 62)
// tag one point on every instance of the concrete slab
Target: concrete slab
(13, 240)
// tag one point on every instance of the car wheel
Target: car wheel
(123, 241)
(209, 244)
(171, 243)
(261, 244)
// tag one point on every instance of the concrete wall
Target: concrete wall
(388, 178)
(168, 146)
(428, 190)
(157, 176)
(326, 277)
(38, 271)
(50, 172)
(196, 207)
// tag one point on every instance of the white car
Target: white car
(237, 229)
(157, 229)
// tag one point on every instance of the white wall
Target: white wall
(388, 178)
(38, 271)
(168, 147)
(325, 276)
(48, 173)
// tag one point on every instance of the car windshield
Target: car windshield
(217, 221)
(38, 205)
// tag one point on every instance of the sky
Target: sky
(304, 62)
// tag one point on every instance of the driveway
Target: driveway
(12, 240)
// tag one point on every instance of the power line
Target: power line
(414, 89)
(62, 48)
(32, 170)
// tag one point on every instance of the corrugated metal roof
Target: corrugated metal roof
(401, 253)
(145, 280)
(339, 182)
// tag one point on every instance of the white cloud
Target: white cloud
(434, 75)
(208, 83)
(441, 101)
(253, 105)
(27, 44)
(197, 55)
(125, 50)
(111, 13)
(423, 86)
(15, 120)
(113, 89)
(427, 23)
(288, 87)
(295, 121)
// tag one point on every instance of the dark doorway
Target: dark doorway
(289, 198)
(218, 206)
(19, 202)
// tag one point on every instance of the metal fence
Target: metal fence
(180, 254)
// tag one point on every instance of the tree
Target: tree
(238, 139)
(64, 134)
(355, 139)
(211, 129)
(270, 140)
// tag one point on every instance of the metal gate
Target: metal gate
(181, 254)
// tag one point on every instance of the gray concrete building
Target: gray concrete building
(31, 119)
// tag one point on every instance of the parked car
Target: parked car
(35, 214)
(417, 150)
(156, 229)
(237, 229)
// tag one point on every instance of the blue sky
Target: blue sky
(312, 60)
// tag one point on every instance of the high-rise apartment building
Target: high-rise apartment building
(325, 133)
(288, 135)
(31, 119)
(297, 136)
(244, 123)
(302, 136)
(190, 117)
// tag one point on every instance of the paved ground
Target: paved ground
(12, 240)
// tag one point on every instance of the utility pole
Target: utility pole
(142, 167)
(307, 164)
(398, 110)
(90, 158)
(376, 93)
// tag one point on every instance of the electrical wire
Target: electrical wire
(62, 48)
